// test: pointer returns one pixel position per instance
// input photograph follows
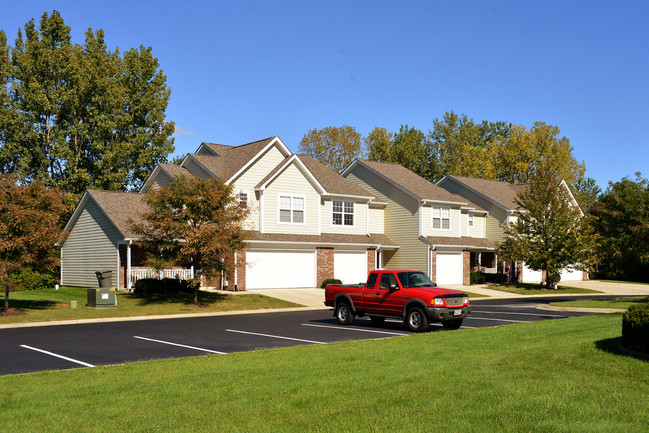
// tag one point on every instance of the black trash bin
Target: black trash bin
(105, 279)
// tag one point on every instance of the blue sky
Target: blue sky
(246, 70)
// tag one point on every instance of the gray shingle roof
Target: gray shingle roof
(331, 181)
(464, 241)
(324, 238)
(121, 207)
(503, 193)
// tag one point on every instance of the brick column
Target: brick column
(241, 270)
(433, 266)
(325, 264)
(466, 267)
(371, 260)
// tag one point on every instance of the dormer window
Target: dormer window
(342, 213)
(441, 218)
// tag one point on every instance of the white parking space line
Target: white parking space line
(355, 329)
(518, 314)
(57, 355)
(179, 345)
(500, 320)
(276, 336)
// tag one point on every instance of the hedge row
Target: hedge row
(151, 286)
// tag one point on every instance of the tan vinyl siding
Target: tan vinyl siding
(455, 227)
(247, 181)
(360, 219)
(195, 169)
(161, 181)
(495, 231)
(291, 182)
(401, 220)
(478, 229)
(377, 216)
(90, 247)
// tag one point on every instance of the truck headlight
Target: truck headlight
(438, 301)
(466, 299)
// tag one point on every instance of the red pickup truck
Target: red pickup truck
(408, 295)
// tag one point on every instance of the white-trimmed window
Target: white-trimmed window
(471, 220)
(291, 209)
(441, 218)
(242, 198)
(342, 213)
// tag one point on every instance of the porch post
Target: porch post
(128, 266)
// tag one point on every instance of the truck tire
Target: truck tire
(344, 313)
(452, 324)
(416, 320)
(377, 319)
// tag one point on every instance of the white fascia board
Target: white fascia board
(474, 191)
(349, 168)
(305, 171)
(456, 203)
(573, 201)
(152, 176)
(358, 197)
(275, 141)
(203, 146)
(82, 205)
(253, 243)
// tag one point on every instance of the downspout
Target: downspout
(367, 219)
(421, 219)
(261, 211)
(128, 266)
(236, 271)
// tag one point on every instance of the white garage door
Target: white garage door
(449, 268)
(350, 267)
(280, 269)
(530, 276)
(571, 275)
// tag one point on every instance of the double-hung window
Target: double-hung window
(471, 220)
(291, 209)
(343, 213)
(243, 199)
(441, 218)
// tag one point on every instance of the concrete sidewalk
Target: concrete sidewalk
(314, 297)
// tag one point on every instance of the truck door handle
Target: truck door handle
(378, 293)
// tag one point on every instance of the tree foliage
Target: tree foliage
(551, 233)
(193, 222)
(30, 219)
(334, 146)
(80, 116)
(622, 220)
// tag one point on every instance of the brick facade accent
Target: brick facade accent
(241, 270)
(433, 266)
(324, 264)
(371, 260)
(466, 267)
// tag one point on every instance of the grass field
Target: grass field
(534, 289)
(49, 304)
(618, 303)
(554, 376)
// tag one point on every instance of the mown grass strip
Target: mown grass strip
(616, 303)
(563, 375)
(50, 304)
(534, 289)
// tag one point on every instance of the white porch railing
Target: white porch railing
(181, 274)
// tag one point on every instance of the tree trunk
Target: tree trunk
(196, 293)
(6, 306)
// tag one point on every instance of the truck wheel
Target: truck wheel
(416, 320)
(344, 314)
(452, 324)
(376, 319)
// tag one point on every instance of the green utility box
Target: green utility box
(102, 298)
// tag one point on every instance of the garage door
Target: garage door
(449, 268)
(280, 269)
(350, 266)
(571, 275)
(530, 276)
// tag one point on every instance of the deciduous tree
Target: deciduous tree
(81, 116)
(334, 146)
(622, 220)
(195, 222)
(30, 221)
(550, 234)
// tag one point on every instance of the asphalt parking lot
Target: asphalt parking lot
(89, 345)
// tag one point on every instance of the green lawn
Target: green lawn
(618, 303)
(534, 289)
(49, 304)
(554, 376)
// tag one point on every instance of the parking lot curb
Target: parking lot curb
(580, 309)
(159, 317)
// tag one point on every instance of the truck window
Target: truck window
(414, 279)
(388, 280)
(371, 281)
